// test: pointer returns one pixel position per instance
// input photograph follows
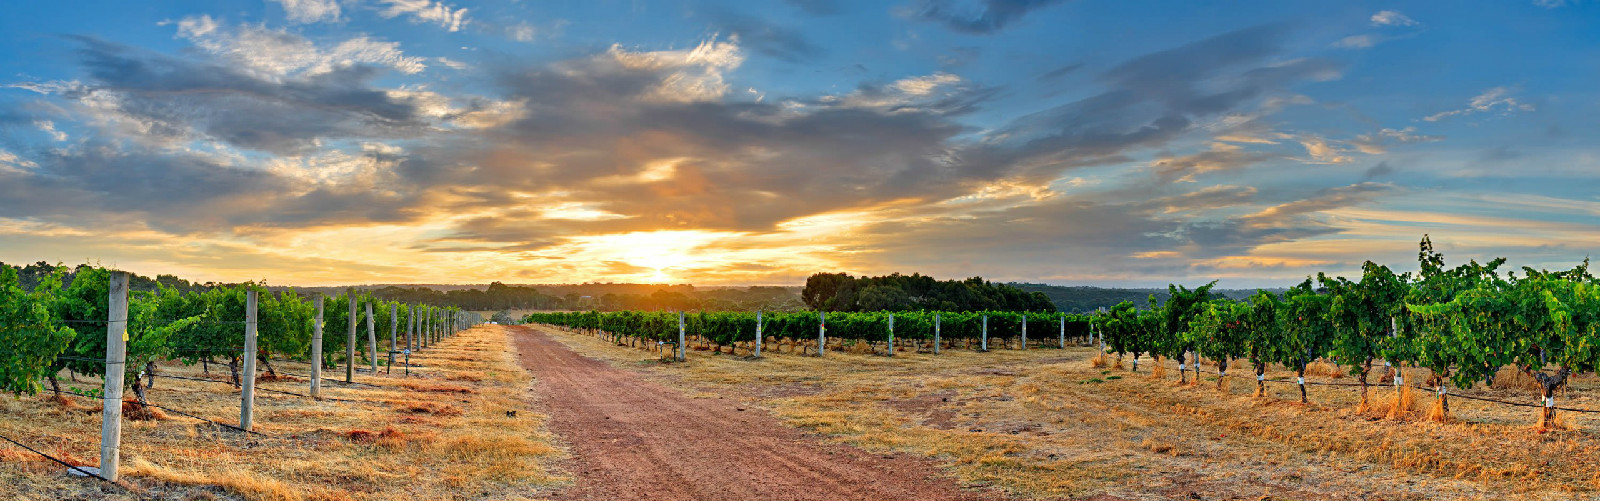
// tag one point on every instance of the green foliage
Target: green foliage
(896, 292)
(31, 334)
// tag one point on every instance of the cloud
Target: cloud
(1391, 18)
(991, 16)
(939, 93)
(1380, 170)
(779, 42)
(426, 12)
(1220, 157)
(278, 53)
(1151, 100)
(269, 105)
(600, 157)
(311, 11)
(1377, 143)
(1490, 100)
(521, 32)
(1356, 42)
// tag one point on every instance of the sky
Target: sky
(1088, 142)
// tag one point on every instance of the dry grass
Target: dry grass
(442, 433)
(1048, 423)
(1325, 369)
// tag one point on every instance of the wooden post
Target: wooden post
(891, 334)
(681, 354)
(247, 393)
(422, 325)
(758, 334)
(394, 328)
(985, 345)
(935, 333)
(350, 342)
(116, 368)
(1063, 331)
(316, 352)
(822, 333)
(372, 341)
(1024, 331)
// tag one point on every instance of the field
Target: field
(443, 432)
(1046, 423)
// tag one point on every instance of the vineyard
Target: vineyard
(1463, 325)
(96, 328)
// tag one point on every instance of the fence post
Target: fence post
(758, 334)
(411, 334)
(936, 333)
(891, 334)
(822, 333)
(248, 391)
(394, 328)
(681, 354)
(116, 367)
(985, 346)
(372, 341)
(350, 342)
(316, 352)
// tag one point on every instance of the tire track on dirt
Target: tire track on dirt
(632, 438)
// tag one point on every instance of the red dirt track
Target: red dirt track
(632, 438)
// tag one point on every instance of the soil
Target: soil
(632, 438)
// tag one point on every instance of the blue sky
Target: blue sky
(1077, 142)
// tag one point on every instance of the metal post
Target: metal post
(247, 393)
(936, 333)
(372, 341)
(822, 333)
(350, 341)
(1063, 331)
(1024, 331)
(316, 352)
(758, 334)
(985, 346)
(394, 328)
(891, 334)
(681, 354)
(116, 367)
(411, 334)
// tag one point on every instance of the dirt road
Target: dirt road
(635, 439)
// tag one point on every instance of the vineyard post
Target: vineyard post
(891, 334)
(424, 326)
(1024, 331)
(116, 360)
(822, 333)
(681, 354)
(247, 392)
(758, 334)
(411, 334)
(350, 343)
(1399, 379)
(1063, 331)
(394, 328)
(985, 345)
(372, 341)
(936, 333)
(1101, 331)
(316, 351)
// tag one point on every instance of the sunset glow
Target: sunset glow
(330, 142)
